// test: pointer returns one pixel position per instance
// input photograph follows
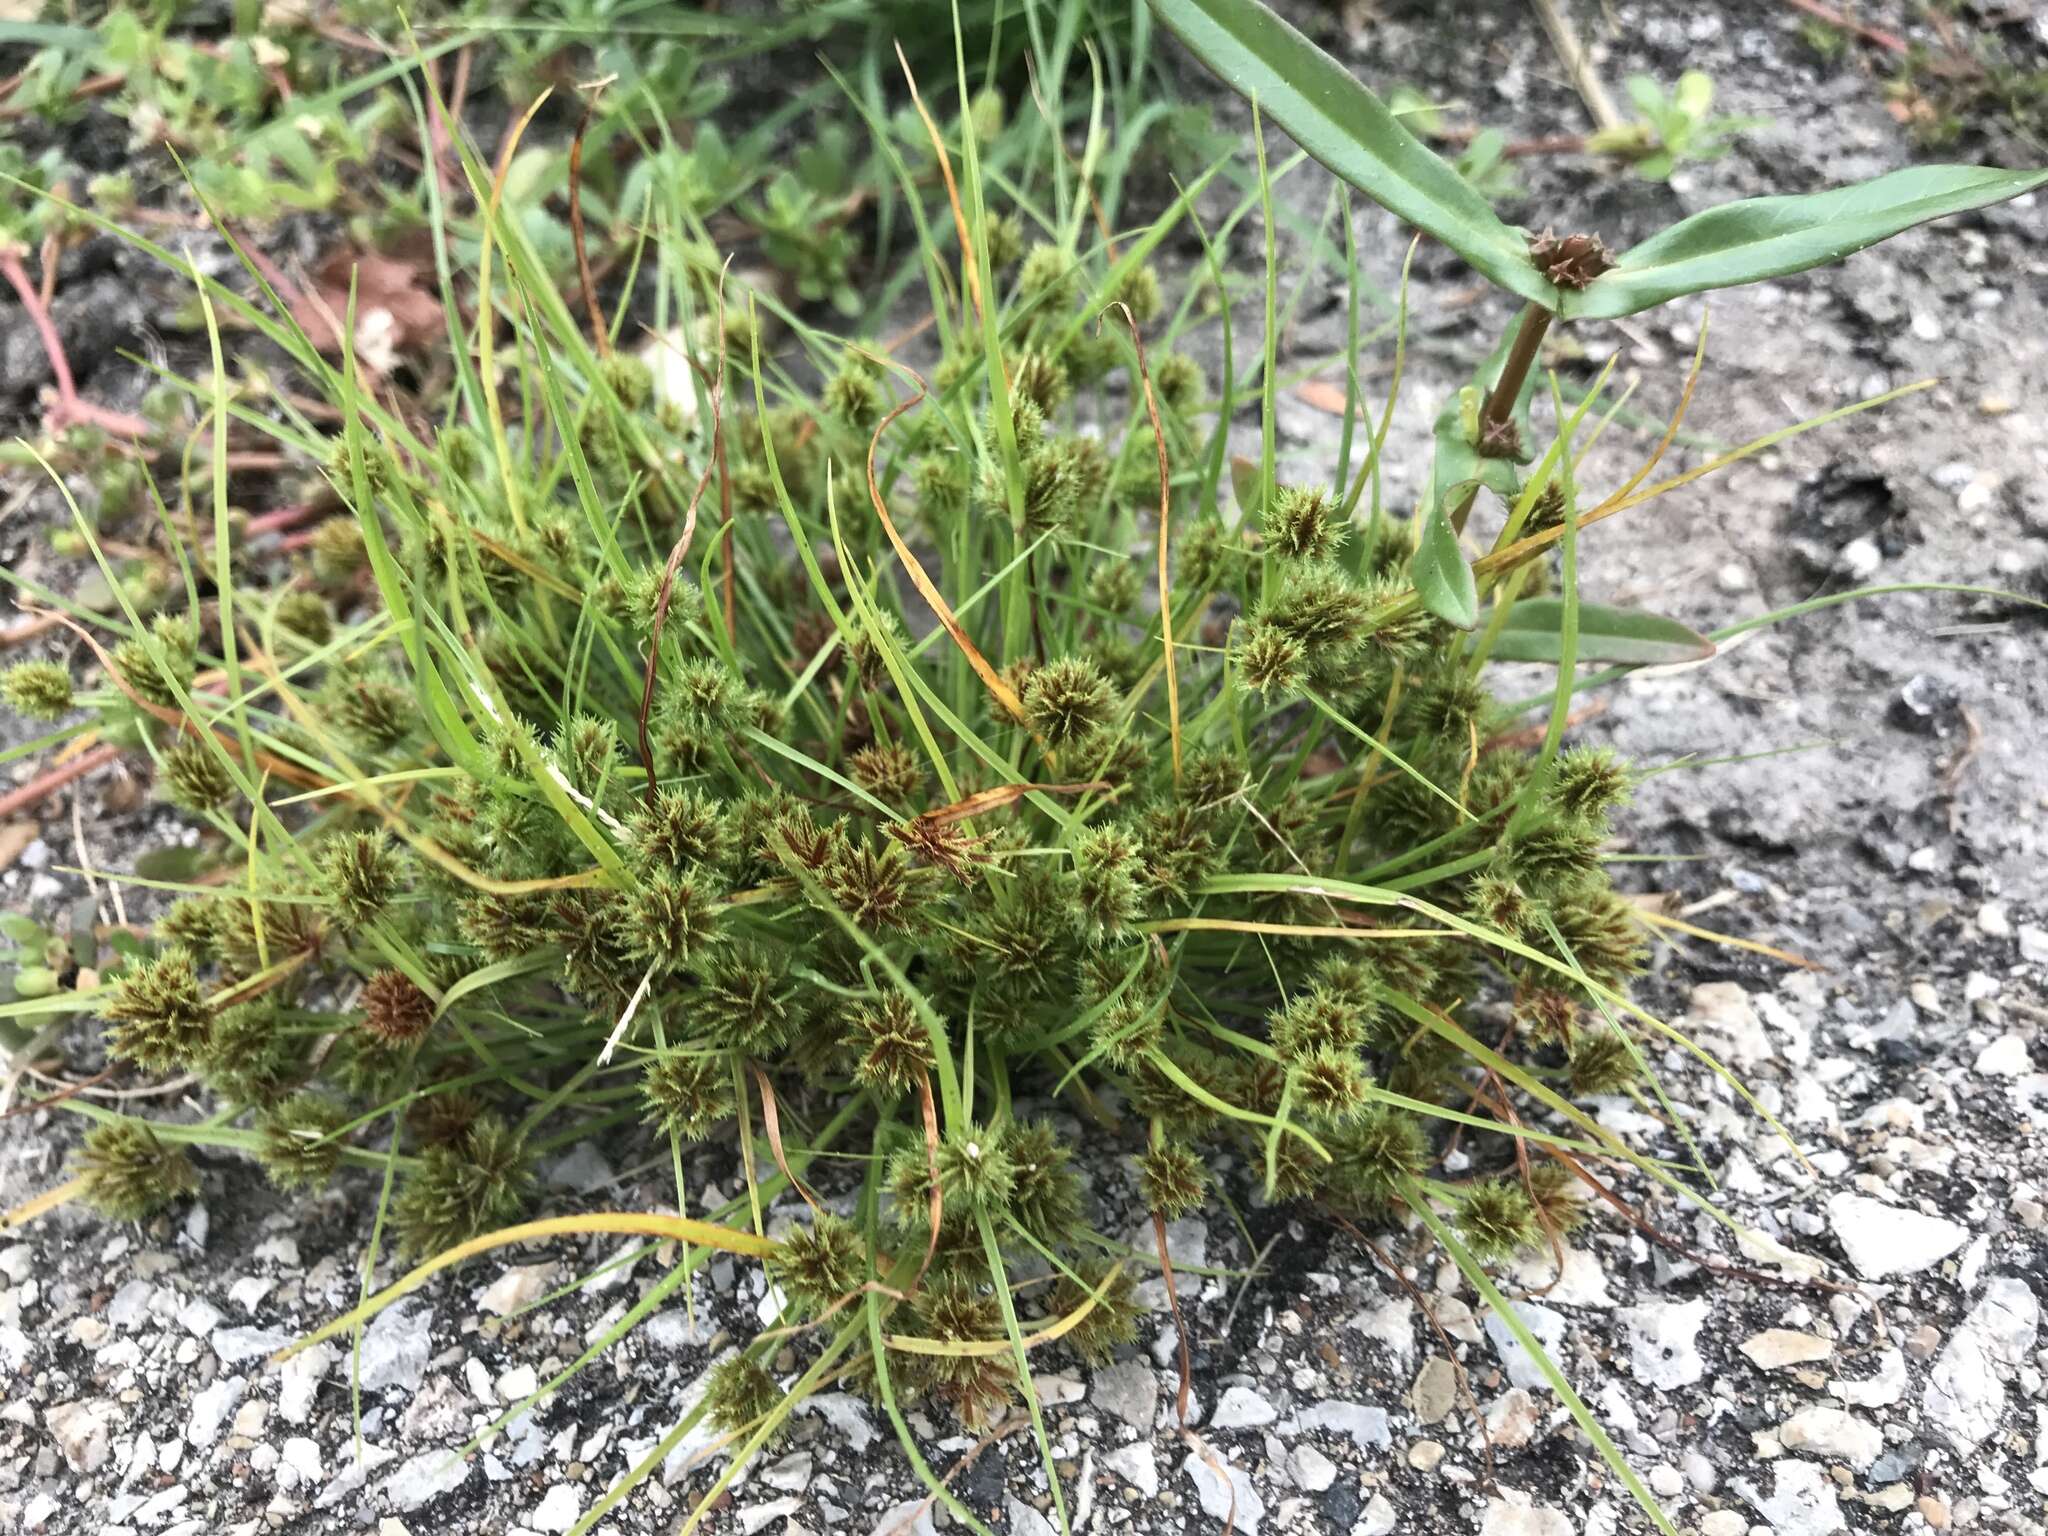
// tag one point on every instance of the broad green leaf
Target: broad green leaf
(1351, 131)
(1442, 575)
(1534, 628)
(1763, 237)
(173, 863)
(1244, 485)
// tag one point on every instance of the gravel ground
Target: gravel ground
(1872, 1362)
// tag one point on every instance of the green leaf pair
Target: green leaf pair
(1351, 131)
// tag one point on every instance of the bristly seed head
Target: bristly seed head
(683, 828)
(891, 773)
(1570, 261)
(194, 778)
(1068, 699)
(1497, 1219)
(38, 690)
(1172, 1180)
(298, 1144)
(129, 1174)
(361, 873)
(1300, 523)
(739, 1393)
(161, 667)
(689, 1094)
(821, 1264)
(669, 919)
(895, 1049)
(1600, 1062)
(161, 1019)
(395, 1010)
(1268, 659)
(461, 1188)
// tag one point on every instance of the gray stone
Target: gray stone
(1884, 1240)
(425, 1478)
(1435, 1390)
(1775, 1348)
(1834, 1433)
(81, 1431)
(515, 1288)
(1514, 1515)
(210, 1409)
(1364, 1423)
(1242, 1408)
(792, 1474)
(557, 1511)
(199, 1317)
(847, 1416)
(301, 1381)
(1136, 1465)
(396, 1347)
(1548, 1327)
(1802, 1500)
(234, 1345)
(1129, 1390)
(1879, 1390)
(581, 1169)
(1663, 1352)
(911, 1519)
(130, 1304)
(1966, 1391)
(1226, 1494)
(1311, 1469)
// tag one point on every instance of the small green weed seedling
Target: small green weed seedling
(1674, 128)
(864, 773)
(1965, 81)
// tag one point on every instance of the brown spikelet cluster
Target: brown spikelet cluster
(395, 1010)
(1570, 261)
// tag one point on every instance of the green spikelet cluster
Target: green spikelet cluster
(129, 1174)
(195, 779)
(363, 872)
(160, 1016)
(739, 1394)
(899, 887)
(689, 1095)
(821, 1264)
(461, 1188)
(37, 690)
(300, 1141)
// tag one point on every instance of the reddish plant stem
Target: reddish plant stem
(51, 251)
(69, 410)
(27, 629)
(1500, 405)
(600, 338)
(279, 520)
(36, 790)
(1890, 41)
(98, 85)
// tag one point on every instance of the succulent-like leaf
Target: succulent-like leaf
(1351, 131)
(1443, 578)
(1533, 631)
(1760, 237)
(1442, 575)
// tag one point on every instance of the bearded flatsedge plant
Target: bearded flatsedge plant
(854, 771)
